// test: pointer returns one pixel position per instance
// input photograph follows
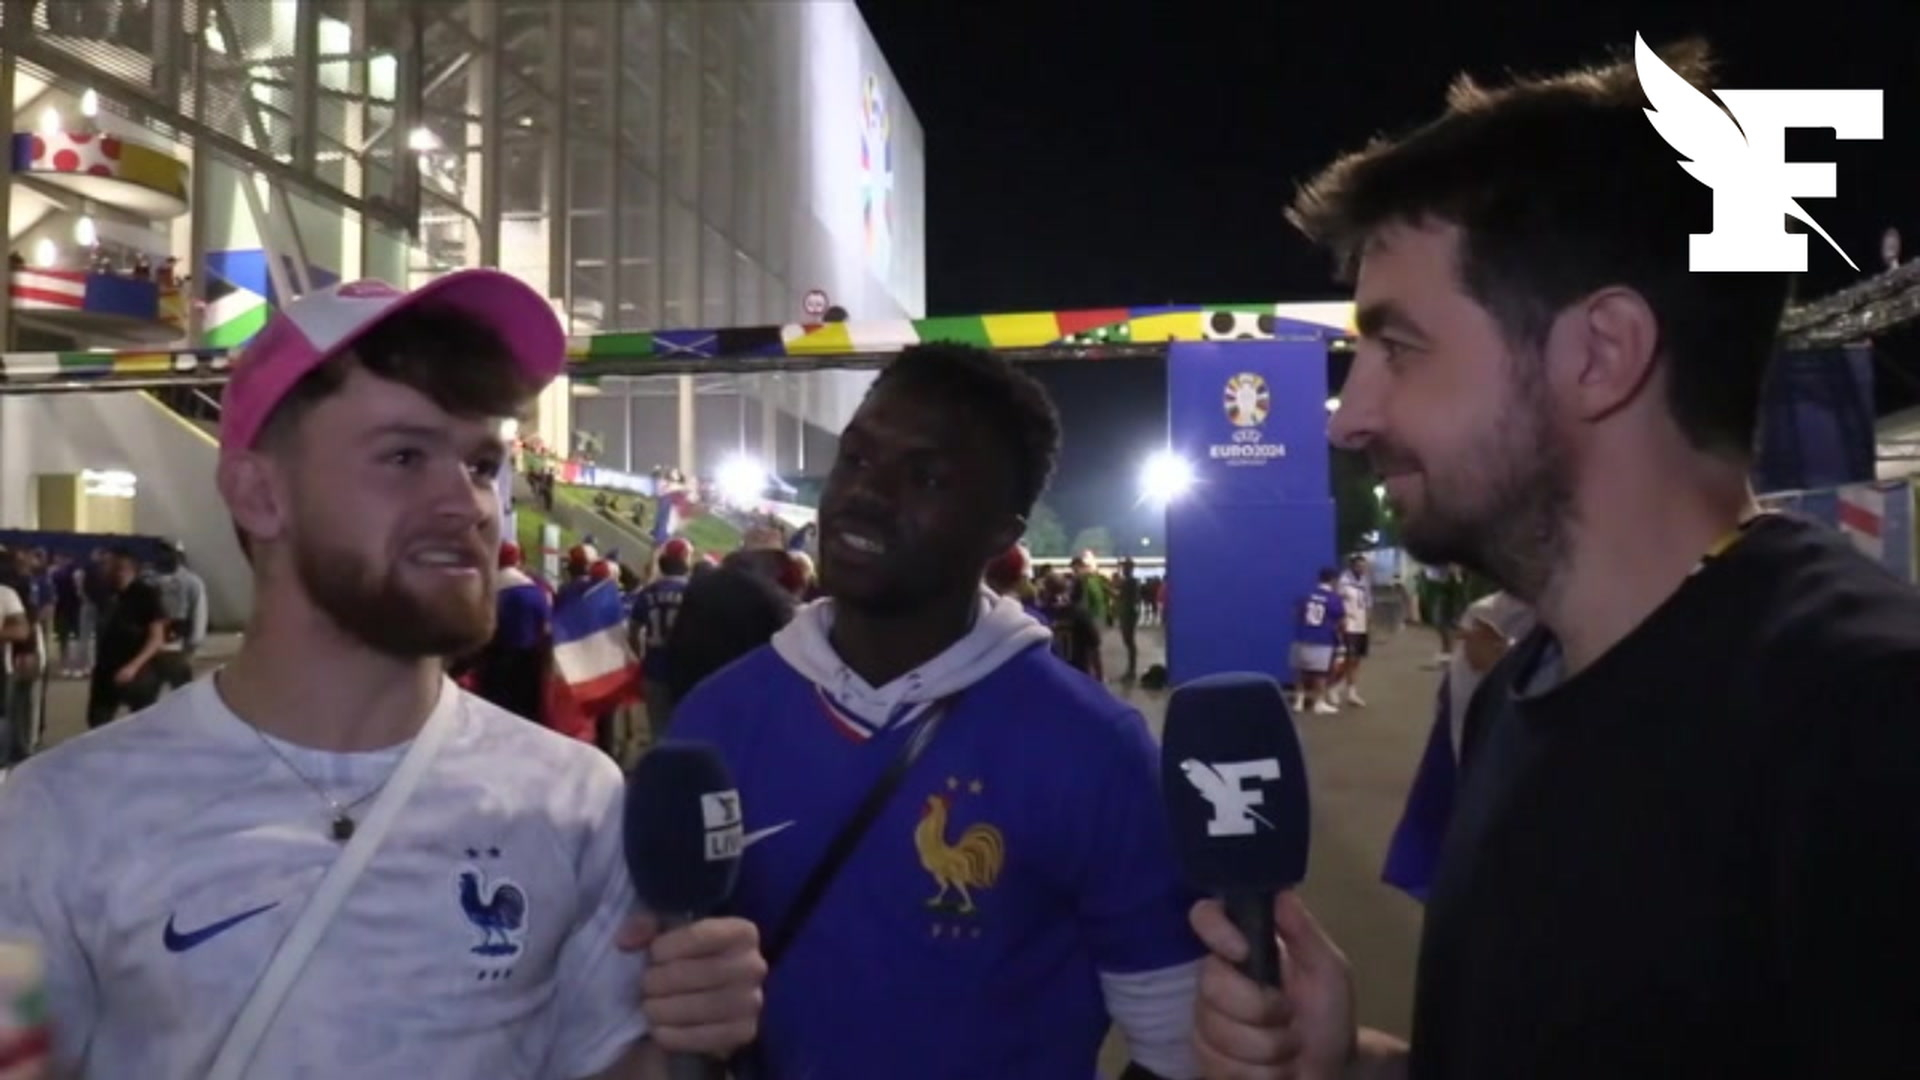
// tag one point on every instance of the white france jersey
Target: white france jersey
(160, 860)
(1355, 599)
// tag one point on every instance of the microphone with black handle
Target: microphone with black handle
(1235, 784)
(683, 836)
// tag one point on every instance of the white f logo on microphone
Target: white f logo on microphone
(1224, 786)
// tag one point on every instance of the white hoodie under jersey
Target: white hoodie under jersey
(1001, 630)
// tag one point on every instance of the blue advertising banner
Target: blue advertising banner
(1244, 544)
(1816, 420)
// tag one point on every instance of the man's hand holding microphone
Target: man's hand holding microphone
(703, 987)
(1276, 996)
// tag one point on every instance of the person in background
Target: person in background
(1356, 600)
(1017, 897)
(1126, 614)
(655, 607)
(96, 591)
(17, 629)
(1319, 618)
(797, 575)
(772, 563)
(1488, 631)
(576, 572)
(585, 569)
(724, 614)
(1076, 637)
(1087, 590)
(1442, 594)
(806, 575)
(69, 604)
(510, 671)
(184, 603)
(1090, 588)
(29, 654)
(131, 663)
(1007, 576)
(193, 598)
(1687, 842)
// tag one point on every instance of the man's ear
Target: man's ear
(1604, 351)
(253, 485)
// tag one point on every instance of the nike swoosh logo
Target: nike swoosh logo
(758, 835)
(179, 942)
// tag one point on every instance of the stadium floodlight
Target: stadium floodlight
(741, 481)
(1166, 476)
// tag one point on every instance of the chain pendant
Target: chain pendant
(343, 828)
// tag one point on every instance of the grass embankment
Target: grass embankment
(528, 522)
(705, 532)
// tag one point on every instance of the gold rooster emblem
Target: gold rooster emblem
(973, 862)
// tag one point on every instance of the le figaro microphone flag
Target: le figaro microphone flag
(591, 659)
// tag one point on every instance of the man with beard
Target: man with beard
(1014, 893)
(160, 863)
(1685, 841)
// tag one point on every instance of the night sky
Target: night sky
(1139, 152)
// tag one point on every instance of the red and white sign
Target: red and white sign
(49, 290)
(816, 303)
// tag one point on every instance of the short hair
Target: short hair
(726, 613)
(771, 563)
(1560, 186)
(1012, 404)
(1328, 575)
(455, 361)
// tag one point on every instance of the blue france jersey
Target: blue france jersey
(1025, 853)
(655, 607)
(1321, 615)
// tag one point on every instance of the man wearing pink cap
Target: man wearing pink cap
(328, 859)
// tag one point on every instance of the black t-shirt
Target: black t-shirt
(126, 623)
(1700, 856)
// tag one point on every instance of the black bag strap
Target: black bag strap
(848, 838)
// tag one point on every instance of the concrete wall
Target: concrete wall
(722, 428)
(173, 459)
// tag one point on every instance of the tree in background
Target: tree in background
(1357, 510)
(1046, 537)
(1095, 539)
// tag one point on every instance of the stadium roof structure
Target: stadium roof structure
(1852, 314)
(1855, 313)
(1103, 333)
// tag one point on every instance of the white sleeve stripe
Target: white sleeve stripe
(1154, 1009)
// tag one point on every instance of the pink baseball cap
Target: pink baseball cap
(313, 329)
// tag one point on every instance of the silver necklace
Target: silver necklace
(343, 823)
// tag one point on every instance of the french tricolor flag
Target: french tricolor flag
(1413, 856)
(666, 517)
(590, 654)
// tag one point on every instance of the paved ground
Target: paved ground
(1361, 763)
